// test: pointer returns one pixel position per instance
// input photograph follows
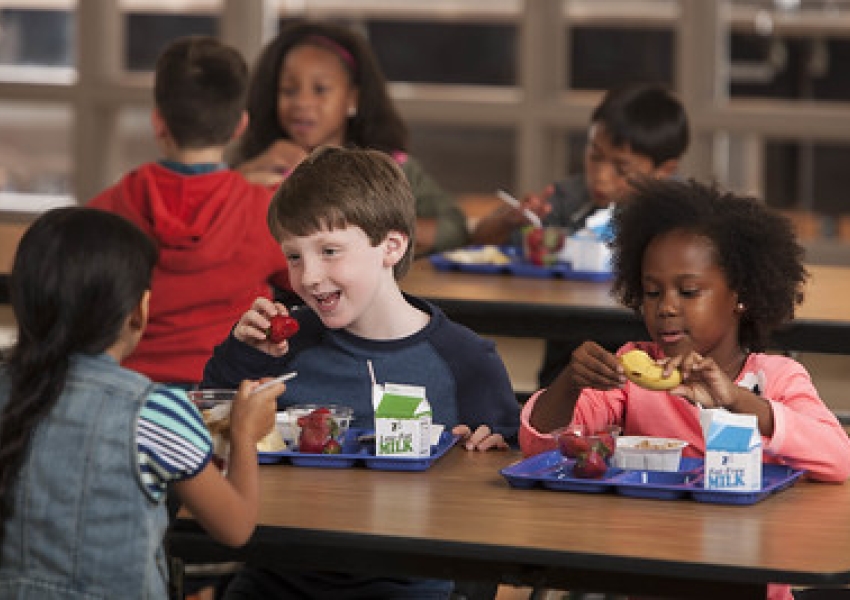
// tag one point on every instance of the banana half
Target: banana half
(645, 372)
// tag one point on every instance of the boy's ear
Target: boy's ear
(160, 129)
(241, 126)
(666, 169)
(395, 245)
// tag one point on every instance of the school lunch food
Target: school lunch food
(648, 453)
(217, 420)
(484, 255)
(282, 327)
(591, 449)
(323, 430)
(542, 245)
(641, 369)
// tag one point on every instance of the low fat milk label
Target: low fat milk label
(733, 451)
(402, 420)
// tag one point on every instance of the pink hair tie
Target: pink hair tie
(335, 47)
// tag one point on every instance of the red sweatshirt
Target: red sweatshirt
(216, 256)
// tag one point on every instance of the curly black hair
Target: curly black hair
(755, 247)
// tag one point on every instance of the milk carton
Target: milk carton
(732, 451)
(402, 420)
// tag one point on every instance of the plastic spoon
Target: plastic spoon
(511, 201)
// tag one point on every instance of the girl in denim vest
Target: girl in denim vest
(87, 447)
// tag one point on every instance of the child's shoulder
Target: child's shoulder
(774, 364)
(449, 336)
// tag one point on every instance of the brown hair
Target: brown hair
(338, 187)
(199, 89)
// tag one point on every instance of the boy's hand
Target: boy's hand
(539, 203)
(252, 415)
(480, 439)
(591, 366)
(253, 326)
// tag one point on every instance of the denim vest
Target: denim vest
(84, 526)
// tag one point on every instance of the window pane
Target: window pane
(602, 58)
(443, 52)
(43, 38)
(148, 34)
(35, 148)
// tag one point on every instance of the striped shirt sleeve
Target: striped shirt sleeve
(171, 439)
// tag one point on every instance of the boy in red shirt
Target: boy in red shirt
(216, 252)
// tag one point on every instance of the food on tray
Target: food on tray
(591, 464)
(660, 445)
(542, 245)
(648, 453)
(641, 369)
(272, 442)
(282, 328)
(319, 433)
(575, 440)
(217, 420)
(485, 255)
(591, 448)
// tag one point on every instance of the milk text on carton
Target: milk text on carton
(733, 451)
(402, 420)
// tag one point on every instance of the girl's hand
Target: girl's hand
(254, 323)
(704, 383)
(272, 166)
(481, 439)
(252, 415)
(594, 367)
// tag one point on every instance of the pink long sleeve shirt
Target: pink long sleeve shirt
(799, 416)
(806, 434)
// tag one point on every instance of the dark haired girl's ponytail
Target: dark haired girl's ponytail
(34, 390)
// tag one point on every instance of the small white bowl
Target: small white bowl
(645, 453)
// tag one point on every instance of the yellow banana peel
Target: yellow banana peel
(645, 372)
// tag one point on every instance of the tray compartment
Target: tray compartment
(552, 471)
(355, 453)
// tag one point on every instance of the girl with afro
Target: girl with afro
(712, 274)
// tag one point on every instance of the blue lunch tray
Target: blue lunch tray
(554, 472)
(518, 266)
(355, 453)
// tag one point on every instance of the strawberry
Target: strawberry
(317, 428)
(606, 440)
(534, 239)
(573, 444)
(332, 447)
(282, 327)
(590, 465)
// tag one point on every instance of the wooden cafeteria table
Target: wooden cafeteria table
(555, 308)
(461, 520)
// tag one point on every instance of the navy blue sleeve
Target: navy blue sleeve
(485, 395)
(234, 361)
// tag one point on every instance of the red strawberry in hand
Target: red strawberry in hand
(282, 327)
